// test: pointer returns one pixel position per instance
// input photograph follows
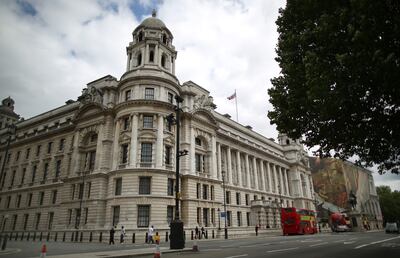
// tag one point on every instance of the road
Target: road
(327, 245)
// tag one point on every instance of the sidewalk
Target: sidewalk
(9, 251)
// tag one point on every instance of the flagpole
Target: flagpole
(237, 116)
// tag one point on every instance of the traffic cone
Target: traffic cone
(195, 248)
(43, 251)
(157, 253)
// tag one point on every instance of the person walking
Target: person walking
(122, 235)
(150, 235)
(157, 238)
(197, 233)
(257, 230)
(203, 232)
(112, 231)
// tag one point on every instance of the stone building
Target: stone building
(109, 157)
(7, 114)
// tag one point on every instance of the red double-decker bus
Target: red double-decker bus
(298, 221)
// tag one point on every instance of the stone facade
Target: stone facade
(109, 157)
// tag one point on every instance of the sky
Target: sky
(50, 50)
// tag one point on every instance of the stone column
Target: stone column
(128, 61)
(255, 173)
(269, 177)
(192, 152)
(229, 165)
(146, 55)
(248, 171)
(75, 155)
(262, 175)
(281, 181)
(134, 142)
(160, 142)
(213, 157)
(275, 179)
(115, 156)
(99, 148)
(286, 181)
(219, 161)
(239, 168)
(156, 55)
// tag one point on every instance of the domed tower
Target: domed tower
(151, 47)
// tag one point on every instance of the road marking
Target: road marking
(310, 240)
(354, 238)
(348, 243)
(376, 242)
(240, 255)
(281, 250)
(267, 244)
(213, 249)
(324, 243)
(338, 241)
(249, 245)
(224, 246)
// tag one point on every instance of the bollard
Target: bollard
(48, 237)
(166, 236)
(4, 245)
(80, 239)
(133, 238)
(41, 236)
(101, 237)
(34, 236)
(16, 236)
(55, 237)
(22, 236)
(191, 235)
(28, 236)
(64, 236)
(146, 237)
(213, 234)
(90, 236)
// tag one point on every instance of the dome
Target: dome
(153, 23)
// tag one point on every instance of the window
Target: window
(18, 201)
(69, 216)
(228, 197)
(37, 221)
(170, 187)
(127, 95)
(140, 36)
(13, 178)
(229, 218)
(92, 160)
(41, 198)
(198, 215)
(8, 157)
(49, 145)
(170, 213)
(118, 186)
(163, 60)
(212, 192)
(93, 138)
(146, 152)
(46, 170)
(28, 152)
(143, 216)
(3, 180)
(72, 192)
(139, 59)
(33, 173)
(205, 192)
(50, 222)
(197, 141)
(30, 200)
(205, 216)
(23, 176)
(151, 56)
(255, 197)
(89, 188)
(115, 217)
(164, 38)
(15, 217)
(239, 218)
(126, 123)
(213, 216)
(17, 156)
(247, 199)
(170, 97)
(26, 217)
(248, 218)
(198, 191)
(148, 122)
(144, 185)
(38, 150)
(198, 162)
(124, 158)
(86, 215)
(149, 93)
(54, 197)
(61, 145)
(8, 201)
(168, 151)
(58, 169)
(238, 198)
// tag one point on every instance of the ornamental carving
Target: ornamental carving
(91, 95)
(205, 102)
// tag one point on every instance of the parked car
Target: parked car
(391, 227)
(342, 228)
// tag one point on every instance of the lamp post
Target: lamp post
(177, 233)
(219, 219)
(226, 215)
(11, 130)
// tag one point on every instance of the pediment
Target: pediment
(147, 135)
(124, 137)
(89, 110)
(204, 115)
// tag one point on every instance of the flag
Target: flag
(232, 96)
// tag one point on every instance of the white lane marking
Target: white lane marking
(354, 238)
(224, 246)
(249, 245)
(240, 255)
(324, 243)
(281, 250)
(311, 240)
(349, 242)
(338, 241)
(212, 249)
(376, 242)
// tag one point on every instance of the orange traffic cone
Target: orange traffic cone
(43, 251)
(157, 253)
(195, 248)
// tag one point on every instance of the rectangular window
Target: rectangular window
(13, 177)
(170, 213)
(45, 171)
(213, 216)
(255, 197)
(198, 216)
(14, 224)
(127, 95)
(77, 217)
(37, 221)
(143, 216)
(144, 185)
(169, 125)
(69, 216)
(170, 187)
(198, 191)
(212, 192)
(146, 152)
(229, 218)
(228, 197)
(18, 201)
(148, 122)
(81, 189)
(205, 192)
(54, 197)
(168, 151)
(86, 215)
(17, 156)
(61, 145)
(73, 192)
(248, 218)
(115, 218)
(49, 146)
(118, 186)
(58, 169)
(89, 189)
(38, 150)
(30, 200)
(198, 162)
(41, 198)
(238, 198)
(239, 218)
(50, 222)
(149, 93)
(126, 123)
(28, 152)
(92, 159)
(247, 199)
(26, 218)
(23, 176)
(124, 149)
(205, 216)
(8, 157)
(3, 180)
(170, 97)
(8, 201)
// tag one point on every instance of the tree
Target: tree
(390, 203)
(339, 83)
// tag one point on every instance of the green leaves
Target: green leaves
(340, 75)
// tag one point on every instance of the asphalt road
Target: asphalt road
(327, 245)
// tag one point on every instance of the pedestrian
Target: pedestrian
(112, 231)
(150, 235)
(122, 235)
(203, 232)
(257, 230)
(157, 238)
(196, 230)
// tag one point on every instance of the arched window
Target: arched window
(163, 60)
(151, 56)
(140, 36)
(139, 59)
(164, 39)
(88, 152)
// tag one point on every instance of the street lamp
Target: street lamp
(226, 215)
(177, 233)
(11, 130)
